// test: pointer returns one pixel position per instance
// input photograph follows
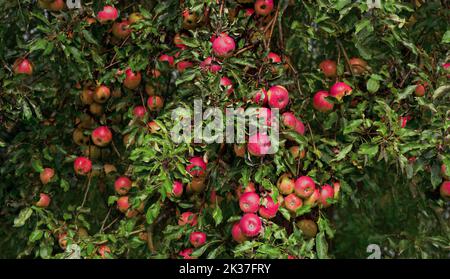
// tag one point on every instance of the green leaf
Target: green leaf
(368, 149)
(343, 153)
(64, 185)
(321, 246)
(446, 37)
(373, 85)
(37, 165)
(153, 212)
(36, 235)
(23, 216)
(217, 215)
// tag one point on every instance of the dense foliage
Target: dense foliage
(383, 146)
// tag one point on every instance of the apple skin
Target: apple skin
(155, 103)
(167, 58)
(250, 224)
(132, 80)
(420, 89)
(259, 144)
(197, 239)
(102, 94)
(268, 209)
(249, 202)
(183, 65)
(186, 253)
(227, 84)
(23, 66)
(237, 233)
(320, 103)
(177, 189)
(241, 189)
(444, 190)
(260, 97)
(304, 187)
(104, 251)
(122, 185)
(47, 175)
(210, 65)
(292, 122)
(187, 218)
(340, 89)
(153, 127)
(278, 97)
(285, 184)
(359, 66)
(123, 204)
(44, 200)
(263, 7)
(139, 111)
(82, 165)
(223, 45)
(272, 57)
(121, 30)
(328, 68)
(327, 192)
(197, 167)
(108, 13)
(292, 202)
(101, 136)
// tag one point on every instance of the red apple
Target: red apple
(304, 186)
(132, 80)
(227, 84)
(260, 97)
(82, 165)
(328, 68)
(47, 175)
(178, 41)
(197, 239)
(223, 45)
(57, 5)
(292, 202)
(268, 208)
(285, 184)
(250, 187)
(122, 185)
(102, 94)
(122, 29)
(197, 166)
(186, 253)
(177, 189)
(101, 136)
(44, 200)
(292, 122)
(278, 97)
(420, 89)
(209, 64)
(249, 12)
(445, 190)
(326, 192)
(108, 13)
(167, 58)
(273, 58)
(249, 202)
(153, 127)
(104, 251)
(23, 66)
(263, 7)
(250, 224)
(123, 204)
(183, 65)
(237, 233)
(139, 111)
(259, 144)
(155, 103)
(320, 103)
(340, 89)
(187, 218)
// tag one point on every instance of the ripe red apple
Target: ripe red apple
(57, 5)
(122, 29)
(445, 190)
(177, 189)
(108, 13)
(264, 116)
(312, 200)
(223, 45)
(292, 202)
(47, 175)
(187, 218)
(210, 65)
(249, 12)
(186, 253)
(268, 208)
(197, 239)
(273, 58)
(139, 111)
(183, 65)
(285, 184)
(23, 66)
(259, 144)
(340, 89)
(101, 136)
(237, 233)
(178, 41)
(249, 202)
(327, 192)
(153, 127)
(227, 84)
(123, 204)
(167, 58)
(328, 68)
(304, 186)
(122, 185)
(102, 94)
(104, 251)
(292, 122)
(155, 103)
(250, 224)
(320, 103)
(420, 90)
(44, 200)
(132, 80)
(404, 120)
(196, 167)
(250, 187)
(82, 165)
(263, 7)
(278, 97)
(260, 97)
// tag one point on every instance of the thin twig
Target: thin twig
(346, 57)
(87, 190)
(104, 220)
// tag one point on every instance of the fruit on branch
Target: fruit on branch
(304, 187)
(44, 200)
(359, 66)
(259, 144)
(87, 96)
(101, 136)
(260, 97)
(155, 103)
(296, 152)
(227, 84)
(23, 66)
(187, 218)
(183, 65)
(177, 189)
(285, 184)
(250, 187)
(327, 192)
(249, 202)
(132, 79)
(336, 189)
(292, 202)
(153, 127)
(313, 199)
(272, 57)
(340, 89)
(308, 227)
(223, 45)
(104, 251)
(404, 120)
(47, 175)
(167, 58)
(57, 5)
(278, 97)
(102, 94)
(263, 7)
(186, 253)
(196, 185)
(444, 190)
(190, 19)
(320, 102)
(237, 233)
(122, 185)
(123, 204)
(108, 13)
(292, 122)
(268, 209)
(250, 224)
(178, 41)
(420, 89)
(239, 150)
(196, 167)
(82, 165)
(249, 12)
(139, 111)
(210, 65)
(197, 239)
(328, 68)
